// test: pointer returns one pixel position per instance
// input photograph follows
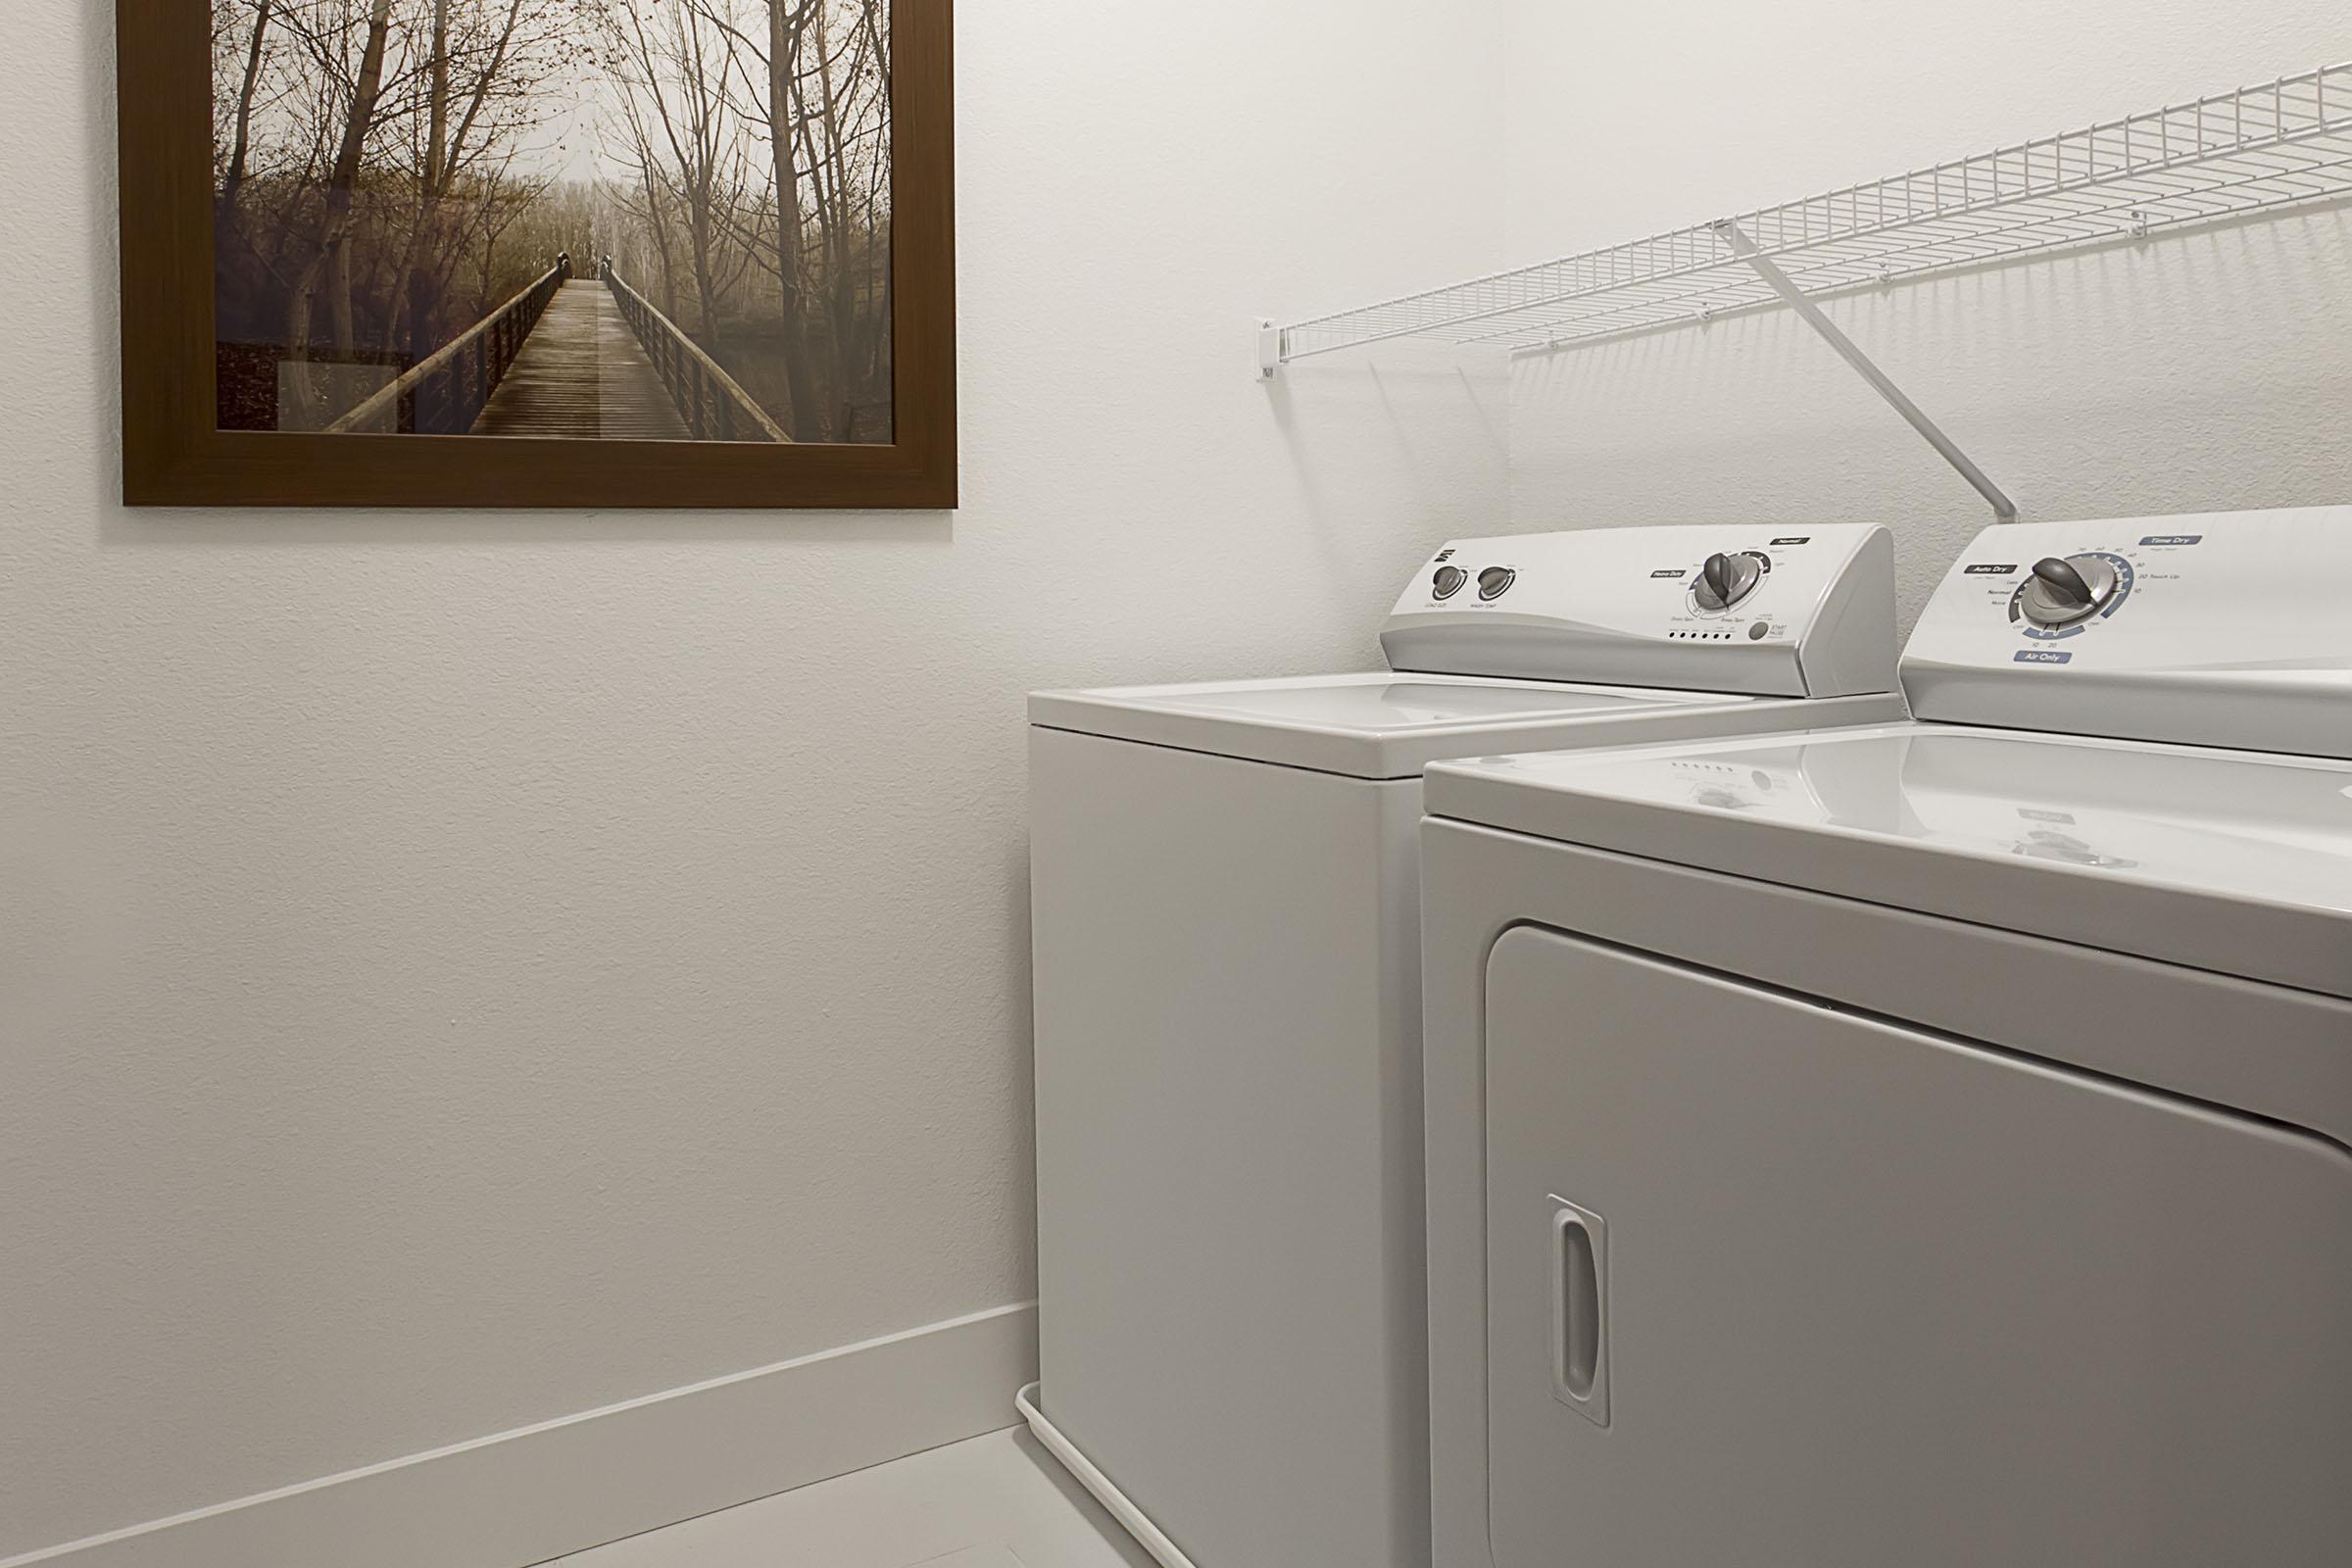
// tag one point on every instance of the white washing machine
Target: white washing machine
(1228, 1013)
(1921, 1144)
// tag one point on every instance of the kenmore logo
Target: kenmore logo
(1800, 539)
(1992, 568)
(1669, 571)
(2042, 656)
(2174, 539)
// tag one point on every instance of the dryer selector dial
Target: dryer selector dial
(2063, 590)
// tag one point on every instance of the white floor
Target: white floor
(995, 1502)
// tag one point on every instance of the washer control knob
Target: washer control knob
(1495, 580)
(2067, 589)
(1448, 581)
(1725, 580)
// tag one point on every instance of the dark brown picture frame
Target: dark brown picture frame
(173, 454)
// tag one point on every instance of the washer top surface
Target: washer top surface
(1390, 725)
(2235, 861)
(1386, 703)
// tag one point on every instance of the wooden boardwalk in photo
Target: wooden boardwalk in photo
(582, 374)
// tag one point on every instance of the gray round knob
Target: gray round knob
(2065, 590)
(1724, 580)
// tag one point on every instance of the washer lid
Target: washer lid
(1379, 725)
(2225, 860)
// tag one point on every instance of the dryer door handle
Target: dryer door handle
(1579, 1346)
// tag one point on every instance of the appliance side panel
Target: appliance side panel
(1462, 912)
(1850, 647)
(1229, 1259)
(1405, 1188)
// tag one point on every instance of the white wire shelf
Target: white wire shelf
(2280, 144)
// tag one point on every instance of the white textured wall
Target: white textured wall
(2195, 372)
(456, 970)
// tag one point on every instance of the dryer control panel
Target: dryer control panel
(2217, 629)
(1785, 612)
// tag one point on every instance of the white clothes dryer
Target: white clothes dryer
(1920, 1144)
(1228, 1014)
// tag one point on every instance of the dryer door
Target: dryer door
(1773, 1283)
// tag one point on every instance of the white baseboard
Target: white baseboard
(523, 1497)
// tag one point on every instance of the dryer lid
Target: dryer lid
(2224, 861)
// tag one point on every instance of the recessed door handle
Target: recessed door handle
(1580, 1274)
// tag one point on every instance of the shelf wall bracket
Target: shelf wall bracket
(1273, 348)
(1729, 231)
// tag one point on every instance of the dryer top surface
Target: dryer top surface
(2235, 861)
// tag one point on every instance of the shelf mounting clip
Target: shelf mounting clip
(1729, 231)
(1273, 348)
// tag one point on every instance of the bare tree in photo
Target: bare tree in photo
(329, 264)
(240, 143)
(787, 26)
(682, 138)
(836, 135)
(473, 109)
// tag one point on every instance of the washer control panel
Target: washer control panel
(1767, 610)
(2150, 628)
(1727, 577)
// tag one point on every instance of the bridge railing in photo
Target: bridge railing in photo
(444, 393)
(713, 403)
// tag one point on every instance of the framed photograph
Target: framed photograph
(537, 252)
